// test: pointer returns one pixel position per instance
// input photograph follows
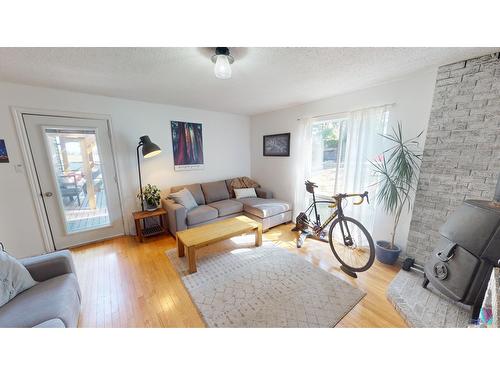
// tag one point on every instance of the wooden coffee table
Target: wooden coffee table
(195, 238)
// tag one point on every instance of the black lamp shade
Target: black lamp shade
(149, 149)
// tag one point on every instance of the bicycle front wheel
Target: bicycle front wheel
(351, 244)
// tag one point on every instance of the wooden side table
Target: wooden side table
(153, 230)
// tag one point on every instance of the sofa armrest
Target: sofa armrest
(263, 193)
(48, 266)
(177, 215)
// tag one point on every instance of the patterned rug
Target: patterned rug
(425, 308)
(265, 287)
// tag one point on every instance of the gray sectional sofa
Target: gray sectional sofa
(215, 202)
(52, 303)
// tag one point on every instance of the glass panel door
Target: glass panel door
(77, 180)
(78, 172)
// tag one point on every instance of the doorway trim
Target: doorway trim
(17, 114)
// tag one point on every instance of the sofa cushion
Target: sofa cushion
(227, 207)
(201, 214)
(14, 278)
(185, 198)
(55, 298)
(264, 193)
(264, 207)
(215, 191)
(195, 190)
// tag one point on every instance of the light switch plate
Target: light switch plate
(19, 168)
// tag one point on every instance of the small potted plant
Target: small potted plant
(397, 169)
(151, 197)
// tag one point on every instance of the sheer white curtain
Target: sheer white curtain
(360, 144)
(302, 166)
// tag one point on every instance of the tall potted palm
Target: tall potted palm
(397, 171)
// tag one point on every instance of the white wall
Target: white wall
(225, 139)
(227, 149)
(412, 97)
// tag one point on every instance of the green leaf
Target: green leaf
(398, 170)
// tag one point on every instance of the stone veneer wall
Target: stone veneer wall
(462, 149)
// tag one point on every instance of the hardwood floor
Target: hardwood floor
(130, 284)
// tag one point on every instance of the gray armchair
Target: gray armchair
(52, 303)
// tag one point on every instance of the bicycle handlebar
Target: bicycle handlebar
(312, 185)
(362, 196)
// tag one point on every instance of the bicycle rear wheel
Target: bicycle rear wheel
(351, 244)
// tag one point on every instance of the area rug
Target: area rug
(422, 307)
(265, 287)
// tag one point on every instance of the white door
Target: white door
(76, 178)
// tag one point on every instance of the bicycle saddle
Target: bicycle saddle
(310, 186)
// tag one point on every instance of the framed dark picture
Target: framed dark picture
(277, 144)
(187, 145)
(4, 157)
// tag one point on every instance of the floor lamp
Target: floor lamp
(149, 149)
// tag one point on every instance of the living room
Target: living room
(318, 186)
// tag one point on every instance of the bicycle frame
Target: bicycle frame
(317, 221)
(318, 228)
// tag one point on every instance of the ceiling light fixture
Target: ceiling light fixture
(222, 60)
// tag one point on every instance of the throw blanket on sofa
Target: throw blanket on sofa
(240, 183)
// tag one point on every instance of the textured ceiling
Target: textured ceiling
(264, 79)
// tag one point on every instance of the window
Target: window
(328, 138)
(342, 148)
(79, 179)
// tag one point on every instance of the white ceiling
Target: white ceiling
(264, 79)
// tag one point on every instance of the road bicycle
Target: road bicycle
(349, 240)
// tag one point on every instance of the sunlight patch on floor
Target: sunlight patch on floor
(242, 240)
(241, 251)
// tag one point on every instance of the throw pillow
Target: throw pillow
(14, 278)
(235, 183)
(185, 198)
(245, 193)
(241, 182)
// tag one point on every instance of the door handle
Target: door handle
(48, 194)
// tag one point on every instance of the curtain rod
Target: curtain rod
(354, 110)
